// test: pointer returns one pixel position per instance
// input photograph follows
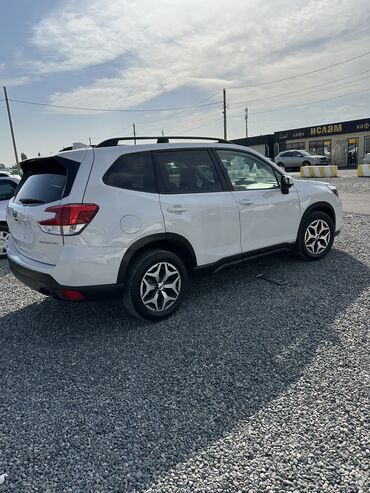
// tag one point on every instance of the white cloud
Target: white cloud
(5, 80)
(157, 47)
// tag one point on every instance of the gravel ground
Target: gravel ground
(251, 387)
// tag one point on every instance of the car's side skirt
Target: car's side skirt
(236, 259)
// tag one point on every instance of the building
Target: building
(265, 144)
(345, 143)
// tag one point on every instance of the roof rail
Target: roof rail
(160, 140)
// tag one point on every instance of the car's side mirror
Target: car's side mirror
(285, 183)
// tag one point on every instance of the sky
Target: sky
(167, 63)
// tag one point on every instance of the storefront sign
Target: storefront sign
(323, 130)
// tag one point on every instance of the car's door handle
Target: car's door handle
(176, 208)
(245, 202)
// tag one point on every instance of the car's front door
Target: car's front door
(267, 216)
(287, 159)
(196, 205)
(297, 158)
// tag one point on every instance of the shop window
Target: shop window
(296, 145)
(321, 147)
(367, 145)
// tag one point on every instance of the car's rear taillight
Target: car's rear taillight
(69, 219)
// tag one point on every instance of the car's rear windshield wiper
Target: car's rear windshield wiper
(31, 201)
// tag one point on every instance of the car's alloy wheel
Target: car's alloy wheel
(317, 236)
(155, 284)
(4, 238)
(160, 286)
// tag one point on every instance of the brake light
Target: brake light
(69, 219)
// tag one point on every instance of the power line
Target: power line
(303, 104)
(301, 75)
(195, 121)
(186, 109)
(202, 125)
(120, 110)
(242, 103)
(189, 120)
(174, 115)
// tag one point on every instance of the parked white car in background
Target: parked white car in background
(295, 159)
(134, 221)
(8, 184)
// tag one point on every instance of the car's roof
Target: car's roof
(172, 145)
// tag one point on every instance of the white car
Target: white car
(133, 222)
(295, 159)
(8, 184)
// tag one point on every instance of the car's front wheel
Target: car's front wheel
(155, 285)
(316, 236)
(4, 237)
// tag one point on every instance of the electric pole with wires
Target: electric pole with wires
(11, 129)
(246, 122)
(224, 108)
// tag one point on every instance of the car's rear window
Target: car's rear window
(46, 181)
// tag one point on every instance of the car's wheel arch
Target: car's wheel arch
(171, 242)
(317, 207)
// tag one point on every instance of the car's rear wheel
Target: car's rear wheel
(316, 236)
(155, 285)
(4, 237)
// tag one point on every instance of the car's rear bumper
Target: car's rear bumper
(47, 285)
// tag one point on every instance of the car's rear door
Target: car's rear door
(196, 205)
(46, 182)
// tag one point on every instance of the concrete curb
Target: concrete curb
(363, 170)
(319, 171)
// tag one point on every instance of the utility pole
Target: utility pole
(246, 122)
(224, 113)
(134, 127)
(162, 131)
(90, 141)
(11, 129)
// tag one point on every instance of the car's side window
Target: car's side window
(247, 172)
(133, 171)
(187, 171)
(7, 188)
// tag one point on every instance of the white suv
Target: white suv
(8, 184)
(296, 159)
(134, 221)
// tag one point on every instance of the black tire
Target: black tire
(3, 241)
(305, 244)
(306, 163)
(140, 267)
